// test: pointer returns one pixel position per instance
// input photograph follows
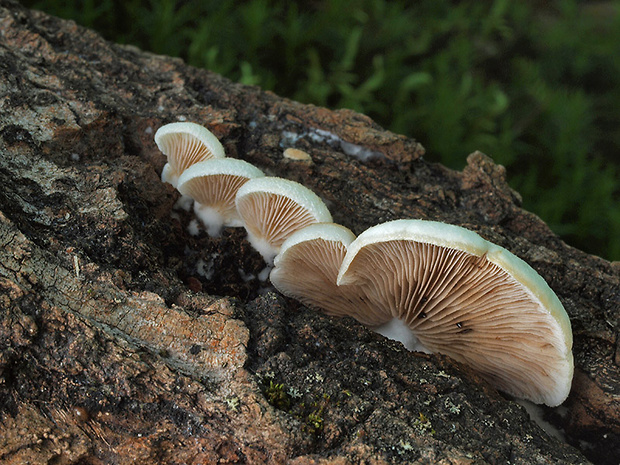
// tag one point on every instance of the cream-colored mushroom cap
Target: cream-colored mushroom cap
(272, 209)
(213, 184)
(465, 297)
(306, 269)
(185, 144)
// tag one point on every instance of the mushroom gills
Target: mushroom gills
(467, 298)
(184, 145)
(213, 184)
(306, 269)
(272, 209)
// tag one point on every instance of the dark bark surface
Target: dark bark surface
(124, 339)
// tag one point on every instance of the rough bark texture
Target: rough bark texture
(124, 339)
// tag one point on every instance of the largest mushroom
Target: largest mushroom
(472, 300)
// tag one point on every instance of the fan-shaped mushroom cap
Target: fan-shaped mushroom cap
(274, 208)
(213, 184)
(470, 299)
(185, 144)
(306, 269)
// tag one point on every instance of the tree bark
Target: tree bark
(125, 339)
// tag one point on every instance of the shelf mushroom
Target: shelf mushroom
(472, 300)
(274, 208)
(306, 269)
(213, 184)
(185, 144)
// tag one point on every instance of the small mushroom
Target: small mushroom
(213, 184)
(472, 300)
(185, 144)
(274, 208)
(306, 269)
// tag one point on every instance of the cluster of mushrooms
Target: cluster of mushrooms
(436, 287)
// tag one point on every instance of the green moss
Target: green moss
(310, 412)
(313, 417)
(423, 425)
(277, 396)
(314, 422)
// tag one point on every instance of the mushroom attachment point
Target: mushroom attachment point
(213, 184)
(185, 144)
(306, 269)
(472, 300)
(272, 209)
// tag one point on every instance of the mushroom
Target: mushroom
(306, 269)
(185, 144)
(274, 208)
(472, 300)
(213, 184)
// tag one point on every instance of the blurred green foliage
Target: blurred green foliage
(535, 85)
